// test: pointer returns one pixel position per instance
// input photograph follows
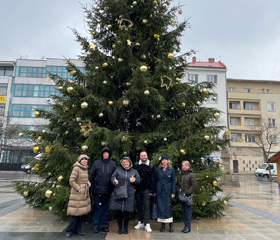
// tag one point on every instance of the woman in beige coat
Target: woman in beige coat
(79, 201)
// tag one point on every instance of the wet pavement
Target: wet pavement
(253, 212)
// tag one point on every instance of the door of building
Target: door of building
(235, 166)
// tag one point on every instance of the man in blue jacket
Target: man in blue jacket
(100, 179)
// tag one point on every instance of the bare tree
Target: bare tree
(266, 138)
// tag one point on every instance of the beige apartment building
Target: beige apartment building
(250, 103)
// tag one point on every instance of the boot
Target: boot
(125, 224)
(162, 229)
(120, 226)
(186, 230)
(171, 227)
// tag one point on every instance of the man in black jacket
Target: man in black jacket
(100, 179)
(145, 190)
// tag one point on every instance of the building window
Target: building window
(62, 71)
(234, 137)
(233, 121)
(231, 89)
(249, 122)
(272, 139)
(6, 71)
(267, 90)
(30, 90)
(3, 91)
(270, 106)
(212, 79)
(31, 72)
(234, 105)
(247, 90)
(272, 122)
(262, 90)
(193, 78)
(248, 106)
(2, 109)
(27, 110)
(250, 138)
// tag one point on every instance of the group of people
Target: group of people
(126, 183)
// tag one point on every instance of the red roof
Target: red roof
(210, 64)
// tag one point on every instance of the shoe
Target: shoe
(186, 230)
(95, 229)
(80, 233)
(171, 227)
(105, 228)
(148, 227)
(125, 230)
(120, 231)
(139, 225)
(162, 229)
(69, 234)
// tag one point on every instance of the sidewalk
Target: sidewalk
(253, 213)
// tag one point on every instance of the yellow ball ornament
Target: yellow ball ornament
(183, 151)
(205, 90)
(105, 65)
(20, 134)
(206, 137)
(110, 103)
(37, 114)
(70, 89)
(84, 147)
(25, 193)
(170, 56)
(60, 178)
(84, 105)
(60, 88)
(73, 73)
(198, 103)
(109, 26)
(36, 149)
(216, 115)
(48, 149)
(144, 21)
(37, 167)
(215, 183)
(48, 193)
(155, 3)
(125, 102)
(143, 69)
(156, 36)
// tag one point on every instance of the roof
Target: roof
(210, 64)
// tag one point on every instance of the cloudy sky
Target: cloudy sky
(243, 34)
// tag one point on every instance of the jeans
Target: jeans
(101, 209)
(187, 214)
(143, 205)
(75, 225)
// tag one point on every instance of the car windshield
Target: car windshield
(263, 166)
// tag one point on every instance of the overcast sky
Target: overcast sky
(243, 34)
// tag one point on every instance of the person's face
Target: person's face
(84, 161)
(143, 156)
(164, 162)
(105, 155)
(185, 166)
(126, 163)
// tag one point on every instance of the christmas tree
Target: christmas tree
(130, 98)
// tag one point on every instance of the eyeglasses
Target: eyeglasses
(84, 159)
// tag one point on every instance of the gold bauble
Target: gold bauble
(48, 149)
(165, 139)
(60, 178)
(37, 114)
(215, 183)
(183, 151)
(60, 88)
(178, 80)
(73, 105)
(143, 57)
(206, 137)
(145, 142)
(156, 36)
(146, 92)
(155, 2)
(78, 119)
(183, 104)
(70, 89)
(128, 84)
(170, 56)
(158, 116)
(48, 99)
(104, 82)
(220, 166)
(36, 149)
(216, 115)
(50, 208)
(164, 5)
(84, 105)
(198, 103)
(125, 102)
(145, 21)
(134, 3)
(225, 202)
(20, 134)
(48, 193)
(66, 133)
(109, 26)
(214, 98)
(44, 131)
(73, 73)
(39, 139)
(37, 167)
(105, 65)
(84, 147)
(120, 59)
(124, 138)
(110, 103)
(205, 90)
(125, 153)
(25, 193)
(143, 68)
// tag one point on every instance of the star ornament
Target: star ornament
(92, 46)
(86, 129)
(180, 12)
(166, 82)
(128, 42)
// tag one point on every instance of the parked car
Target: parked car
(263, 171)
(27, 168)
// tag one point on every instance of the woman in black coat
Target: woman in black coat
(165, 192)
(124, 175)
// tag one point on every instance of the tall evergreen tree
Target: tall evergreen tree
(130, 98)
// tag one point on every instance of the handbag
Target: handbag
(154, 213)
(188, 200)
(121, 192)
